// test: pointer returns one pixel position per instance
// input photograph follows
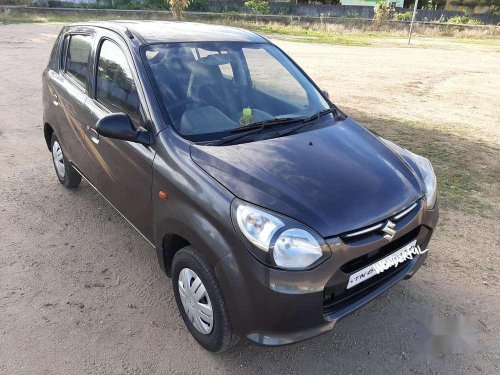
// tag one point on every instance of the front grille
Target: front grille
(373, 232)
(366, 260)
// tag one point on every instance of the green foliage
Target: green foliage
(406, 16)
(16, 2)
(198, 6)
(258, 6)
(465, 20)
(155, 5)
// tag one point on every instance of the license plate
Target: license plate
(393, 260)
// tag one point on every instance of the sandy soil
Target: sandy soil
(81, 292)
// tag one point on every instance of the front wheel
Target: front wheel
(200, 301)
(66, 174)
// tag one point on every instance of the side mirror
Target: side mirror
(325, 93)
(119, 126)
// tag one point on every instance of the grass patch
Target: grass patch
(468, 171)
(304, 34)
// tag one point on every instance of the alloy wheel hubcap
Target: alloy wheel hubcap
(195, 301)
(58, 158)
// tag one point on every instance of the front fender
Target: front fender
(197, 208)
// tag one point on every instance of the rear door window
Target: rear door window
(78, 58)
(116, 89)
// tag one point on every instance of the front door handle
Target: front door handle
(93, 135)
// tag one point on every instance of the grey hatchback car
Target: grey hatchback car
(274, 213)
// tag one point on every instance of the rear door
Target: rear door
(69, 86)
(123, 170)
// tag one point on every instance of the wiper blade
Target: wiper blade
(318, 115)
(310, 119)
(265, 123)
(256, 127)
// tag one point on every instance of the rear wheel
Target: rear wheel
(65, 172)
(200, 301)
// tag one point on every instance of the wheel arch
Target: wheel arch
(47, 133)
(171, 244)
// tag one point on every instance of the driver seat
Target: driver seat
(208, 86)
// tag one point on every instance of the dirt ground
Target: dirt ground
(81, 292)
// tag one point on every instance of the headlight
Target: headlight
(430, 182)
(425, 167)
(257, 226)
(279, 241)
(296, 248)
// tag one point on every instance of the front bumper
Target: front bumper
(276, 307)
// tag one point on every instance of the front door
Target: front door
(122, 170)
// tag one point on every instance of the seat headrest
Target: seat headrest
(216, 59)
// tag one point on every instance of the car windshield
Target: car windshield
(208, 89)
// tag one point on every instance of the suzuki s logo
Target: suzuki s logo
(389, 231)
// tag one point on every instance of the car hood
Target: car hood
(334, 179)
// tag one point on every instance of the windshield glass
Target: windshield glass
(209, 89)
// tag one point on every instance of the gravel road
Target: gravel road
(81, 292)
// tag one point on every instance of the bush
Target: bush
(177, 7)
(258, 6)
(382, 13)
(465, 20)
(406, 16)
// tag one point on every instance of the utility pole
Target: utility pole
(412, 21)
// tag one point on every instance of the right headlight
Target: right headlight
(277, 240)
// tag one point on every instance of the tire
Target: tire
(65, 172)
(220, 336)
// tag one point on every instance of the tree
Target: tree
(468, 4)
(382, 12)
(493, 5)
(177, 7)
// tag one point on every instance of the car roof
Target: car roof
(166, 31)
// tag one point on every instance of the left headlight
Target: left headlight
(425, 167)
(429, 176)
(279, 241)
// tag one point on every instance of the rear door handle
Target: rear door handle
(55, 98)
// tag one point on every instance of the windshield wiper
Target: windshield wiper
(255, 127)
(310, 119)
(265, 123)
(319, 114)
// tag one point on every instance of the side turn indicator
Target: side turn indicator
(163, 195)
